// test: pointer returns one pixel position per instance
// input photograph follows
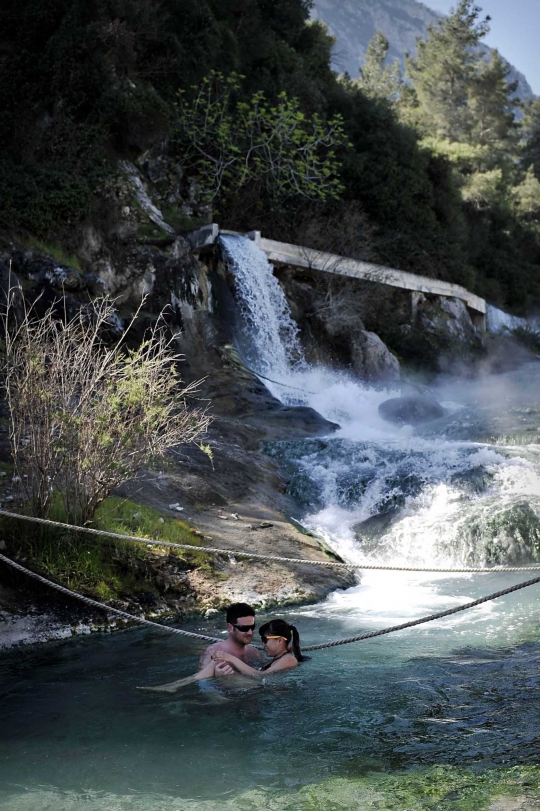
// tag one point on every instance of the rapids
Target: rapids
(443, 716)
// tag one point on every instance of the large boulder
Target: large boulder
(411, 410)
(448, 318)
(371, 358)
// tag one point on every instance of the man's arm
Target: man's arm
(222, 668)
(238, 664)
(206, 656)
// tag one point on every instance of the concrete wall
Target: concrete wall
(282, 253)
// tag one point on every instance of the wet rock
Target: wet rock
(376, 525)
(476, 480)
(371, 358)
(411, 410)
(284, 421)
(449, 318)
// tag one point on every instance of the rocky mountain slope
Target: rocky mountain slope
(354, 22)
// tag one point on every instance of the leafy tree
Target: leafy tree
(530, 131)
(527, 198)
(84, 417)
(377, 79)
(492, 106)
(228, 143)
(444, 71)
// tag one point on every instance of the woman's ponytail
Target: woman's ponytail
(279, 627)
(296, 643)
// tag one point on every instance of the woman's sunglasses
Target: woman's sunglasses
(243, 628)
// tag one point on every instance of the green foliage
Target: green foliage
(440, 173)
(85, 417)
(228, 143)
(377, 79)
(42, 200)
(50, 249)
(530, 133)
(484, 190)
(444, 71)
(101, 566)
(491, 105)
(526, 198)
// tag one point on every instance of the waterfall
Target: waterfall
(499, 321)
(384, 492)
(268, 334)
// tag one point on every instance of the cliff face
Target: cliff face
(354, 22)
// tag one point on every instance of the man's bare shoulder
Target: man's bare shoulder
(216, 646)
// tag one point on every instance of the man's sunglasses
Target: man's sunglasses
(243, 628)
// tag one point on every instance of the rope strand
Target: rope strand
(336, 643)
(233, 553)
(430, 618)
(102, 606)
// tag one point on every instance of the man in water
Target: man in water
(240, 627)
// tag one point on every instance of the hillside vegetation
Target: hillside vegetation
(434, 175)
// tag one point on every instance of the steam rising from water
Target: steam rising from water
(458, 499)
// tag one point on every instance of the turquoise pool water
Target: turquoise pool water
(460, 695)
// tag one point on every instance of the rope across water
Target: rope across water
(234, 553)
(335, 643)
(109, 609)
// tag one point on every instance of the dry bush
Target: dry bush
(341, 229)
(339, 306)
(83, 416)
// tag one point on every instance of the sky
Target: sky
(515, 32)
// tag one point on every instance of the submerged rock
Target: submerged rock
(411, 410)
(376, 525)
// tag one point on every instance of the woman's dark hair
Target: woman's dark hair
(281, 628)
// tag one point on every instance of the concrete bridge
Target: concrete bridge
(298, 256)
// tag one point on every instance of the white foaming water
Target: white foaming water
(499, 321)
(270, 335)
(433, 527)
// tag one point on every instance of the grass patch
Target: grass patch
(105, 567)
(51, 249)
(178, 221)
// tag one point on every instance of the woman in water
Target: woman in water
(281, 643)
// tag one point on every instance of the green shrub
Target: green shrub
(102, 566)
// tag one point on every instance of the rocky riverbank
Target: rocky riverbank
(238, 499)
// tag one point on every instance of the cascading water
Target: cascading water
(439, 717)
(382, 493)
(268, 334)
